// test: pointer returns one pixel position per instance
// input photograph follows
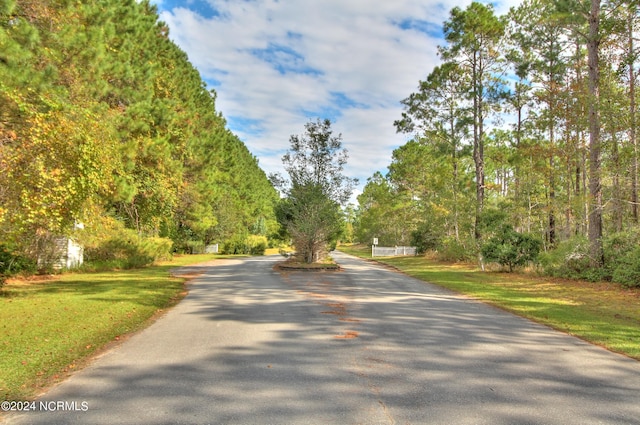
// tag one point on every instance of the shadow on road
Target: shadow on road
(364, 345)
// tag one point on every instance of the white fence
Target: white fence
(394, 251)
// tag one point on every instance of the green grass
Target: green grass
(50, 327)
(602, 313)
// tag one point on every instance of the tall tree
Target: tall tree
(632, 54)
(102, 115)
(60, 153)
(438, 115)
(595, 150)
(520, 101)
(541, 39)
(569, 167)
(473, 36)
(380, 207)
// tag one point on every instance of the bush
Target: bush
(236, 245)
(12, 264)
(189, 247)
(622, 259)
(252, 245)
(157, 248)
(510, 248)
(127, 250)
(570, 259)
(454, 250)
(617, 246)
(425, 238)
(257, 244)
(627, 270)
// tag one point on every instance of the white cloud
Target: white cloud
(276, 64)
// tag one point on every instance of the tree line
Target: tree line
(105, 122)
(528, 125)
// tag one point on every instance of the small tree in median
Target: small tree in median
(311, 212)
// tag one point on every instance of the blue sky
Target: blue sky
(277, 64)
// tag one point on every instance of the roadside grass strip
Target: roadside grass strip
(50, 326)
(603, 313)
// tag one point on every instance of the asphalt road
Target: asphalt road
(367, 345)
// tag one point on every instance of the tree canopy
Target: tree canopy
(532, 115)
(102, 117)
(316, 188)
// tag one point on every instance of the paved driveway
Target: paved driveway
(249, 345)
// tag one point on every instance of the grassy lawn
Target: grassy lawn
(602, 313)
(49, 327)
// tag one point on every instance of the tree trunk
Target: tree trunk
(454, 160)
(552, 198)
(551, 102)
(478, 145)
(617, 189)
(595, 187)
(632, 124)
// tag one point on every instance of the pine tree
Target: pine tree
(473, 36)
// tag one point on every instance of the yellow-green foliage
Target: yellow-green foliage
(113, 244)
(257, 244)
(247, 244)
(98, 107)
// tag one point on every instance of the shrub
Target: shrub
(257, 244)
(570, 259)
(126, 250)
(156, 248)
(425, 238)
(616, 248)
(242, 244)
(454, 250)
(12, 264)
(510, 248)
(236, 245)
(627, 270)
(618, 244)
(189, 247)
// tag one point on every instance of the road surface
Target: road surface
(250, 345)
